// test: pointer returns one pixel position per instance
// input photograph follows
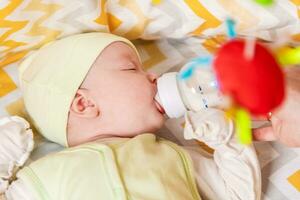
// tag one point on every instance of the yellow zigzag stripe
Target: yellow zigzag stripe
(142, 22)
(212, 44)
(38, 29)
(6, 84)
(244, 16)
(102, 19)
(294, 180)
(297, 3)
(296, 37)
(13, 26)
(107, 19)
(203, 13)
(156, 56)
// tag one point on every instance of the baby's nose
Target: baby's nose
(152, 77)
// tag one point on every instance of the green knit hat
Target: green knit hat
(51, 76)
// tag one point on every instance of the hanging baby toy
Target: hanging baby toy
(254, 82)
(243, 78)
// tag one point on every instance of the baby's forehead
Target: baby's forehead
(116, 55)
(117, 50)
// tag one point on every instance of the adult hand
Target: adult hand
(285, 121)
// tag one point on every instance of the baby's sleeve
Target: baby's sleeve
(16, 145)
(18, 190)
(233, 171)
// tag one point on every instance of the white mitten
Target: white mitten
(209, 126)
(16, 143)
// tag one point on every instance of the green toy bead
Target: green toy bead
(264, 2)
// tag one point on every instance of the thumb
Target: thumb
(264, 134)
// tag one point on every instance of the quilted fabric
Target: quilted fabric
(25, 25)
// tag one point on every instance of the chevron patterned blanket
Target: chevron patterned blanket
(167, 33)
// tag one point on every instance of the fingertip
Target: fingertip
(264, 134)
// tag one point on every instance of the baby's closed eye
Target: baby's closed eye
(129, 67)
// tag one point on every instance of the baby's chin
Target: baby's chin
(158, 123)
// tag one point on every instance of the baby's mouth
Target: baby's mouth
(159, 107)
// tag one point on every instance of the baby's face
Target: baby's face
(124, 94)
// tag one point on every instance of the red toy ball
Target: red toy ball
(256, 84)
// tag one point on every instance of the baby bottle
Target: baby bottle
(193, 88)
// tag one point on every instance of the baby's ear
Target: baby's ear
(83, 105)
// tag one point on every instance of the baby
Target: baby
(88, 92)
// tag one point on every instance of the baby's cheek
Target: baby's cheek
(140, 93)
